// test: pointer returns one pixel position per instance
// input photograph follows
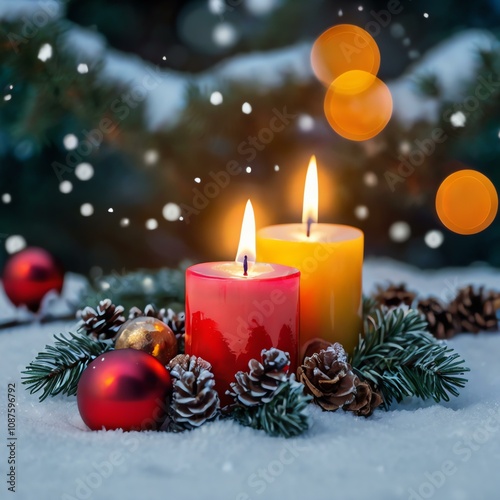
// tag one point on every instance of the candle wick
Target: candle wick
(309, 223)
(245, 266)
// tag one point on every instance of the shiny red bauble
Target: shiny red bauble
(29, 275)
(124, 389)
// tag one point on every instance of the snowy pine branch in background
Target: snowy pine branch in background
(163, 287)
(399, 356)
(57, 370)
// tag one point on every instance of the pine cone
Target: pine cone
(315, 346)
(102, 323)
(194, 399)
(258, 386)
(365, 400)
(328, 377)
(394, 295)
(475, 311)
(150, 311)
(177, 323)
(442, 323)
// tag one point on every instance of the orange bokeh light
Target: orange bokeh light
(358, 105)
(466, 202)
(342, 48)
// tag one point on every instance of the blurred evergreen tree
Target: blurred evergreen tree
(51, 99)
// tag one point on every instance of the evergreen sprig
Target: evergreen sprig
(399, 356)
(284, 416)
(370, 306)
(57, 369)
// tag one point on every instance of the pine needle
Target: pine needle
(284, 416)
(57, 370)
(399, 356)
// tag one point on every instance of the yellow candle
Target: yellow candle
(330, 258)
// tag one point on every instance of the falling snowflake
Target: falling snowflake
(45, 52)
(224, 35)
(84, 171)
(361, 212)
(305, 123)
(70, 142)
(15, 243)
(246, 108)
(65, 187)
(171, 211)
(86, 209)
(434, 238)
(151, 156)
(370, 179)
(458, 119)
(82, 68)
(216, 98)
(400, 231)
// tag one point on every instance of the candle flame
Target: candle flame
(247, 236)
(310, 207)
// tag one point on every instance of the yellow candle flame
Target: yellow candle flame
(310, 207)
(247, 236)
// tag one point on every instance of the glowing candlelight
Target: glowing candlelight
(310, 205)
(246, 248)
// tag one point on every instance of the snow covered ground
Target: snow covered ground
(441, 451)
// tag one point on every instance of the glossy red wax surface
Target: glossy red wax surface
(229, 320)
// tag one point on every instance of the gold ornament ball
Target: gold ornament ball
(150, 335)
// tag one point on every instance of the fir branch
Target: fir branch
(57, 370)
(400, 357)
(370, 305)
(284, 416)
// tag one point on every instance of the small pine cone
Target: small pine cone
(259, 385)
(194, 399)
(150, 311)
(328, 377)
(365, 401)
(394, 295)
(315, 346)
(442, 323)
(102, 323)
(476, 311)
(176, 321)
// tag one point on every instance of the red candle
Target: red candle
(236, 309)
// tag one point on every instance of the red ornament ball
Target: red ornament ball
(124, 389)
(29, 275)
